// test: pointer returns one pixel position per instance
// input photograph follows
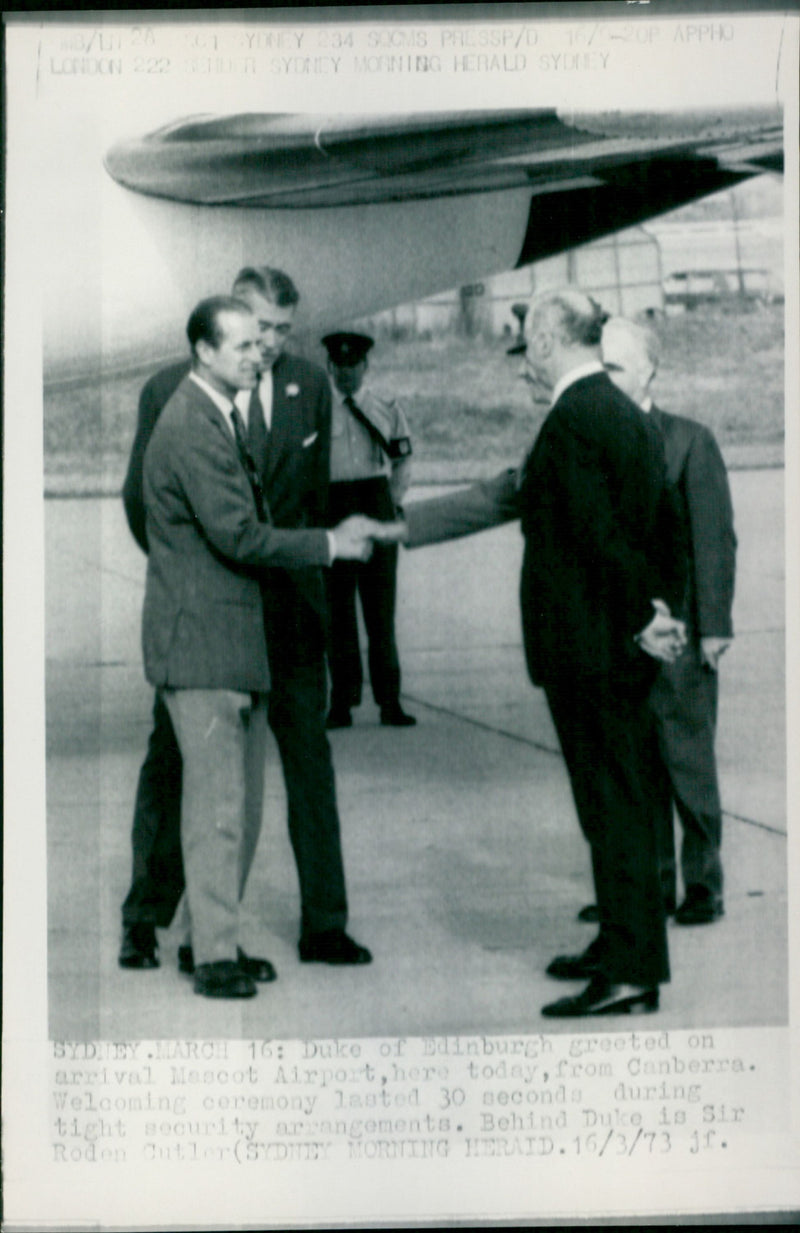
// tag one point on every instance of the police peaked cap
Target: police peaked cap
(346, 350)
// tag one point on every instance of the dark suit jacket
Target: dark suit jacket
(203, 619)
(696, 470)
(589, 499)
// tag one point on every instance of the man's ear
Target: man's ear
(546, 341)
(203, 350)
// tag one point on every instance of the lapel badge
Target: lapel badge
(292, 389)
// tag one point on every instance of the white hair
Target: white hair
(642, 336)
(576, 318)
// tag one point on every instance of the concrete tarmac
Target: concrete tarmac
(464, 859)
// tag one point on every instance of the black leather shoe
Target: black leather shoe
(395, 717)
(223, 979)
(138, 949)
(260, 970)
(339, 719)
(574, 967)
(332, 946)
(699, 908)
(601, 997)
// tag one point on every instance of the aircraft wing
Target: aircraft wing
(587, 174)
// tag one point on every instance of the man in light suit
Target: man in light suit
(594, 624)
(210, 539)
(289, 427)
(685, 694)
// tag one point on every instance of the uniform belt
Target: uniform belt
(366, 496)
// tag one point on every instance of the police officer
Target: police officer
(370, 474)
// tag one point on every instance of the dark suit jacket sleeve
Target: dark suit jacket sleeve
(155, 395)
(484, 505)
(210, 478)
(708, 499)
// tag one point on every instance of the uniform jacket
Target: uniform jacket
(389, 418)
(696, 470)
(203, 622)
(589, 500)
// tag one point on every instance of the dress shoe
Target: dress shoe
(339, 718)
(590, 915)
(699, 907)
(260, 970)
(602, 997)
(395, 717)
(223, 979)
(332, 946)
(138, 949)
(574, 967)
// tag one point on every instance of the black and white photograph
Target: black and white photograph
(400, 479)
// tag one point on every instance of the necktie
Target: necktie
(257, 435)
(248, 463)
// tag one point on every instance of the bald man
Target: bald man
(595, 624)
(685, 694)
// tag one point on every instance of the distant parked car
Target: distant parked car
(688, 288)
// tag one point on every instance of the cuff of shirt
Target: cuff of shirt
(331, 546)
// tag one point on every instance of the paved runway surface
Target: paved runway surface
(464, 859)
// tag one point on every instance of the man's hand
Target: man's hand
(390, 532)
(353, 538)
(712, 650)
(665, 637)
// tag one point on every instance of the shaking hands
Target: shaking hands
(356, 536)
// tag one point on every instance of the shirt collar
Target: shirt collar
(359, 394)
(646, 403)
(264, 388)
(224, 403)
(576, 374)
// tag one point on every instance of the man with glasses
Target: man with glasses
(595, 624)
